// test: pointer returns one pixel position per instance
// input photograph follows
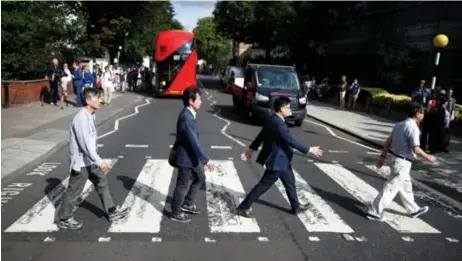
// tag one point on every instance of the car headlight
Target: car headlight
(302, 100)
(261, 98)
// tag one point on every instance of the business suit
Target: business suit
(276, 155)
(190, 159)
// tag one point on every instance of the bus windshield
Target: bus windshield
(171, 66)
(277, 78)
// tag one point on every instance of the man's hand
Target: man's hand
(316, 151)
(247, 155)
(104, 167)
(210, 165)
(431, 158)
(380, 162)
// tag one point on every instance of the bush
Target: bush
(383, 98)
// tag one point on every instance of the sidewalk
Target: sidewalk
(446, 172)
(31, 133)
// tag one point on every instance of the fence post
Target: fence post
(7, 95)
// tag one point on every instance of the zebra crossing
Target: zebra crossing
(147, 199)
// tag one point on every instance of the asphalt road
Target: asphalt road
(338, 185)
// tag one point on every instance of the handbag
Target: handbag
(172, 156)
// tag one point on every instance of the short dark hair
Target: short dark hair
(89, 93)
(415, 108)
(281, 102)
(190, 93)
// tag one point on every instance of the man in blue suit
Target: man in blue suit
(190, 159)
(276, 156)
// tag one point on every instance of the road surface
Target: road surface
(338, 186)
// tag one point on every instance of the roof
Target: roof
(256, 65)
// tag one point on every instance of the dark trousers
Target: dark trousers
(269, 178)
(79, 95)
(54, 92)
(76, 185)
(188, 183)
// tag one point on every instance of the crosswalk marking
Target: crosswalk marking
(41, 217)
(146, 199)
(320, 217)
(366, 193)
(224, 193)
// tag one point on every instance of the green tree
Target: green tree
(213, 47)
(33, 33)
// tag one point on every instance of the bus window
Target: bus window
(170, 67)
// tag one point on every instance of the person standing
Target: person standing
(190, 159)
(78, 83)
(276, 156)
(83, 155)
(54, 74)
(405, 144)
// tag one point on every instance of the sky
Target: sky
(188, 12)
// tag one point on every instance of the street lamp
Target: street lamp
(440, 41)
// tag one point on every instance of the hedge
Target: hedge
(381, 97)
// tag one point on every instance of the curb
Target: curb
(60, 145)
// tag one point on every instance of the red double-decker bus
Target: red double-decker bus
(176, 59)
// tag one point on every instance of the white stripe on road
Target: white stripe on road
(221, 147)
(338, 151)
(136, 146)
(146, 199)
(451, 207)
(224, 193)
(116, 122)
(100, 145)
(373, 153)
(320, 217)
(366, 193)
(41, 217)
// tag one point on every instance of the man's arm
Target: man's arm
(82, 131)
(258, 140)
(284, 133)
(188, 128)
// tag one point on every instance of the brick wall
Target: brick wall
(23, 92)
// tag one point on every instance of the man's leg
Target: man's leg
(288, 180)
(268, 179)
(407, 196)
(198, 175)
(183, 183)
(392, 186)
(71, 197)
(100, 182)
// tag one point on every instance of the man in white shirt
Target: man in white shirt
(405, 144)
(83, 154)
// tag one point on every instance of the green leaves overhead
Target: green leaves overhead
(212, 47)
(33, 32)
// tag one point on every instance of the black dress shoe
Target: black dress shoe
(301, 208)
(244, 213)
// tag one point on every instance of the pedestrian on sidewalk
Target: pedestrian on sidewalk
(78, 83)
(83, 155)
(189, 158)
(54, 74)
(355, 89)
(405, 144)
(342, 91)
(276, 156)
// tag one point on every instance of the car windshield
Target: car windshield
(277, 78)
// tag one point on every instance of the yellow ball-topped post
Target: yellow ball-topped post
(439, 41)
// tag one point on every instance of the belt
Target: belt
(404, 158)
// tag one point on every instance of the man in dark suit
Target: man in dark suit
(190, 158)
(276, 156)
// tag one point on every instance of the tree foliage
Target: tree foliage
(33, 32)
(213, 47)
